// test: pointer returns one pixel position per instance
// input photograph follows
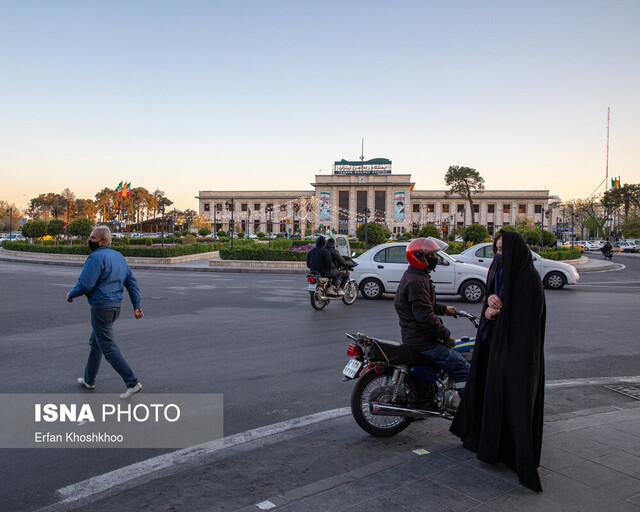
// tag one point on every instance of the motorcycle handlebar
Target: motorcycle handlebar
(471, 317)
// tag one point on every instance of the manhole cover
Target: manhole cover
(630, 391)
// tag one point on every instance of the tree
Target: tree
(46, 205)
(463, 182)
(55, 228)
(204, 231)
(375, 233)
(9, 214)
(429, 230)
(35, 229)
(81, 227)
(162, 202)
(476, 234)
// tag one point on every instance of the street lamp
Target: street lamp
(367, 212)
(231, 206)
(247, 231)
(10, 222)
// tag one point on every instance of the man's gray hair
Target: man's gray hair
(104, 233)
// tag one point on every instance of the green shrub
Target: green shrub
(148, 242)
(204, 231)
(126, 240)
(561, 254)
(262, 254)
(429, 230)
(143, 252)
(281, 243)
(476, 233)
(405, 237)
(81, 227)
(455, 248)
(189, 239)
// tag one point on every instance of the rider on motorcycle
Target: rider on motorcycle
(417, 309)
(606, 248)
(339, 263)
(319, 260)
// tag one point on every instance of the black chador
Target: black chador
(500, 416)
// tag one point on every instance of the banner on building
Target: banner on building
(399, 203)
(325, 205)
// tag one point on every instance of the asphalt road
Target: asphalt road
(256, 339)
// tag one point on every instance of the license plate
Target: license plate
(311, 287)
(352, 368)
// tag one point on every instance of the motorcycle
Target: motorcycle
(396, 384)
(317, 288)
(608, 255)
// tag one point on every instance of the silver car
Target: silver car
(380, 269)
(554, 274)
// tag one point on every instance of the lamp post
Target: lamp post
(161, 209)
(367, 212)
(247, 231)
(270, 211)
(231, 206)
(68, 208)
(10, 222)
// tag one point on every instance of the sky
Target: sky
(263, 95)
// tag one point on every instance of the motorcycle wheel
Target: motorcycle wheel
(316, 302)
(350, 293)
(372, 387)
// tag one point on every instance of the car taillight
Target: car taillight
(353, 350)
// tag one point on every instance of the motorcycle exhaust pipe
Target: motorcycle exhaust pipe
(393, 410)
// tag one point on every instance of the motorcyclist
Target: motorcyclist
(319, 260)
(418, 311)
(606, 248)
(339, 263)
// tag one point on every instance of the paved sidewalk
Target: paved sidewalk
(590, 462)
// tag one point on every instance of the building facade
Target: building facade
(367, 191)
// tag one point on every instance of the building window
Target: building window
(506, 208)
(218, 207)
(431, 207)
(380, 205)
(476, 208)
(256, 226)
(361, 204)
(243, 225)
(490, 228)
(522, 208)
(343, 205)
(416, 208)
(445, 208)
(283, 226)
(491, 208)
(269, 207)
(460, 208)
(283, 207)
(269, 227)
(538, 208)
(207, 207)
(460, 225)
(244, 207)
(256, 207)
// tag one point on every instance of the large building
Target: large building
(356, 192)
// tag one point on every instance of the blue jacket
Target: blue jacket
(102, 279)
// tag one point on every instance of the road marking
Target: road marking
(71, 495)
(132, 475)
(567, 383)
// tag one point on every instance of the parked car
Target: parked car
(554, 274)
(12, 237)
(380, 269)
(576, 245)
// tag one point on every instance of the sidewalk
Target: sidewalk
(214, 264)
(590, 462)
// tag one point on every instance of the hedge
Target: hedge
(141, 252)
(561, 254)
(262, 254)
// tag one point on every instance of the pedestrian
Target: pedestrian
(102, 279)
(500, 415)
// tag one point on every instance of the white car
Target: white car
(626, 246)
(554, 274)
(380, 269)
(12, 237)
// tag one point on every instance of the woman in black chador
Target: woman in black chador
(500, 416)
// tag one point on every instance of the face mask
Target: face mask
(498, 259)
(432, 263)
(93, 245)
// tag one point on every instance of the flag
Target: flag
(125, 193)
(119, 189)
(128, 189)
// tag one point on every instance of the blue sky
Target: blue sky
(256, 95)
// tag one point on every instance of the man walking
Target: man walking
(102, 279)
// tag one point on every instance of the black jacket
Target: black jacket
(417, 310)
(319, 259)
(338, 261)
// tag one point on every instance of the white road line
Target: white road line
(82, 491)
(567, 383)
(134, 474)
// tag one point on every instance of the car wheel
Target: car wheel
(472, 291)
(371, 288)
(554, 280)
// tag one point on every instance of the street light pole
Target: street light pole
(231, 206)
(367, 212)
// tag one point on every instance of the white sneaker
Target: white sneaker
(131, 391)
(84, 384)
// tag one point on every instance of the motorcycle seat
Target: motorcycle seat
(396, 352)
